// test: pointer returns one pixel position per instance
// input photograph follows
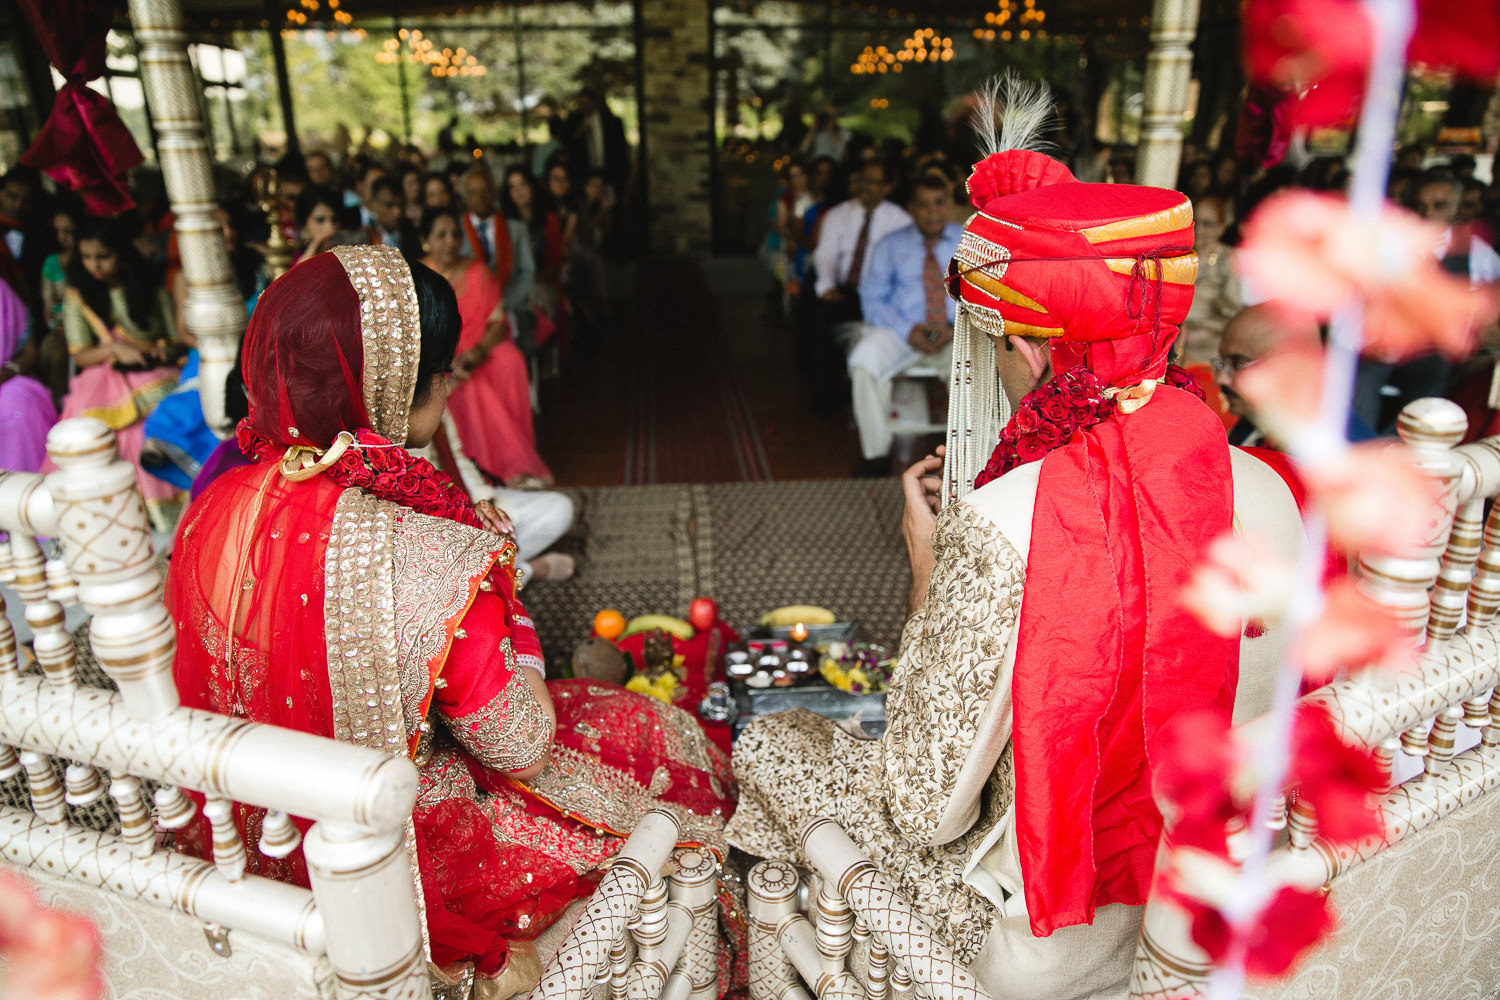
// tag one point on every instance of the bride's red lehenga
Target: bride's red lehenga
(370, 607)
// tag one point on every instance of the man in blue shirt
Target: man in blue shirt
(908, 315)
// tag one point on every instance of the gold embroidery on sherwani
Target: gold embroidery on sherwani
(437, 565)
(794, 767)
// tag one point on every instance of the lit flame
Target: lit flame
(799, 632)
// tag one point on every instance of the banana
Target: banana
(675, 627)
(807, 614)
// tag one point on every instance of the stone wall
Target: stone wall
(677, 122)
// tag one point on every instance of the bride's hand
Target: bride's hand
(494, 519)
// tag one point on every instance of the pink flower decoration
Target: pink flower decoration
(1241, 578)
(1308, 249)
(1353, 632)
(1375, 499)
(1286, 389)
(50, 955)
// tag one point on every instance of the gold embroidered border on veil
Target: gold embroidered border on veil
(390, 332)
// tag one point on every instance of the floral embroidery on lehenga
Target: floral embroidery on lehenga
(510, 732)
(888, 794)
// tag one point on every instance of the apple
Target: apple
(703, 613)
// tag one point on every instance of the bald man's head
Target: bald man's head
(1255, 332)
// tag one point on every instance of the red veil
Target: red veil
(329, 361)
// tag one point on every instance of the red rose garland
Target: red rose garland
(387, 470)
(1052, 413)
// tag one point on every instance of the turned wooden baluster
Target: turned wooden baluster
(905, 934)
(619, 965)
(135, 819)
(173, 809)
(1490, 736)
(1302, 825)
(1430, 428)
(877, 972)
(229, 849)
(61, 587)
(1440, 742)
(1484, 589)
(695, 886)
(46, 794)
(279, 836)
(105, 535)
(1385, 754)
(7, 568)
(82, 785)
(835, 926)
(1414, 740)
(772, 889)
(10, 665)
(1450, 593)
(50, 640)
(1477, 711)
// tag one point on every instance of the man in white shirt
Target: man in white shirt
(851, 230)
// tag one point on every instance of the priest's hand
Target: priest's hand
(922, 484)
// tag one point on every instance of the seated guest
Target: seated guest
(1252, 334)
(521, 201)
(850, 231)
(317, 219)
(52, 366)
(123, 338)
(527, 788)
(320, 170)
(1382, 390)
(538, 517)
(847, 236)
(503, 244)
(436, 192)
(491, 398)
(360, 202)
(1010, 798)
(908, 314)
(390, 226)
(409, 181)
(178, 438)
(27, 411)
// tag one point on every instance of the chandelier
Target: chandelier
(298, 16)
(1013, 19)
(446, 62)
(924, 45)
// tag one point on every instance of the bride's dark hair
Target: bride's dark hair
(438, 309)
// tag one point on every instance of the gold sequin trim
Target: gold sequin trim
(390, 331)
(437, 565)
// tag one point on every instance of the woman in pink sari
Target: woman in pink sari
(492, 403)
(26, 409)
(123, 340)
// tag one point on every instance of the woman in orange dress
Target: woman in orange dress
(491, 404)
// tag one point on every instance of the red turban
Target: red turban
(1124, 510)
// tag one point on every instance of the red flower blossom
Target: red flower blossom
(1462, 36)
(1338, 779)
(49, 955)
(1317, 49)
(1193, 771)
(1292, 922)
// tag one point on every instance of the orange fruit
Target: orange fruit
(609, 623)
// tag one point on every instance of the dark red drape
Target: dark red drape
(83, 146)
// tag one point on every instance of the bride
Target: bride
(340, 586)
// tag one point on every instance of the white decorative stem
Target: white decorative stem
(1169, 70)
(214, 311)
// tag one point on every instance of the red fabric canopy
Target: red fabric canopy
(83, 145)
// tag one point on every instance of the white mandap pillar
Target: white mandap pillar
(1169, 74)
(214, 311)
